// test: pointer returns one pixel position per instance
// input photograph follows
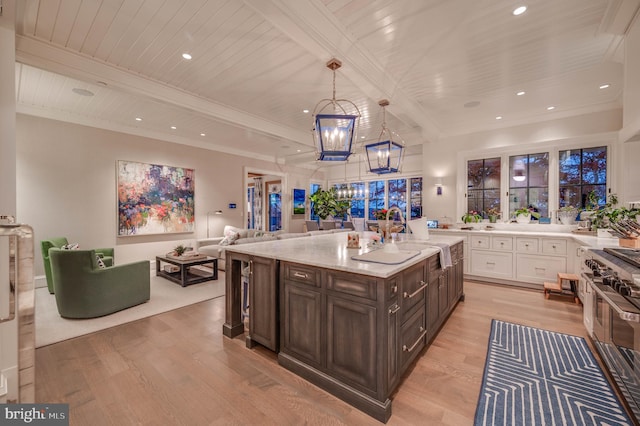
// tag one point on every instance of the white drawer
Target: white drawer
(554, 246)
(527, 245)
(492, 264)
(481, 241)
(502, 243)
(538, 269)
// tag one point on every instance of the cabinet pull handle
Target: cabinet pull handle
(412, 347)
(540, 268)
(251, 267)
(554, 246)
(394, 289)
(423, 285)
(395, 308)
(491, 263)
(300, 275)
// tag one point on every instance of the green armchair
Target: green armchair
(85, 290)
(106, 254)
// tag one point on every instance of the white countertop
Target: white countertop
(590, 241)
(330, 251)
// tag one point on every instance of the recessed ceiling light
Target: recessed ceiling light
(186, 56)
(499, 117)
(203, 134)
(549, 108)
(82, 92)
(173, 127)
(138, 119)
(298, 150)
(361, 137)
(519, 10)
(605, 86)
(306, 111)
(520, 93)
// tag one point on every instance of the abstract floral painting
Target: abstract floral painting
(154, 199)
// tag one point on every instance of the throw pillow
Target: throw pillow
(229, 238)
(73, 246)
(99, 261)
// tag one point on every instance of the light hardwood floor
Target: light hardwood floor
(176, 368)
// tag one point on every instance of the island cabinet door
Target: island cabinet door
(352, 343)
(263, 302)
(413, 288)
(302, 323)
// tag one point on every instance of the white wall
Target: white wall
(66, 177)
(444, 159)
(631, 96)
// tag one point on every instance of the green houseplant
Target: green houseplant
(471, 216)
(492, 214)
(524, 214)
(326, 203)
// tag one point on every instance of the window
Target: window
(483, 185)
(529, 182)
(357, 201)
(376, 197)
(580, 172)
(416, 197)
(398, 196)
(312, 190)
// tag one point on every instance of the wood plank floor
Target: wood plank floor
(176, 368)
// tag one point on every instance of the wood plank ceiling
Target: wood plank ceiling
(257, 64)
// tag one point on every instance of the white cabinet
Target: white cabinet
(502, 243)
(526, 245)
(534, 268)
(480, 242)
(495, 264)
(554, 246)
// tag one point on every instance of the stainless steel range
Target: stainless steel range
(613, 276)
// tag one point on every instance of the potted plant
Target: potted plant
(567, 215)
(524, 214)
(326, 203)
(492, 214)
(471, 216)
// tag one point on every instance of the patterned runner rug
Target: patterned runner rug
(539, 377)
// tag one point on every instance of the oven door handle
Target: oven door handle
(624, 315)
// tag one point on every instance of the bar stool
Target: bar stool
(558, 287)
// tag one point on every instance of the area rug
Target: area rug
(540, 377)
(165, 296)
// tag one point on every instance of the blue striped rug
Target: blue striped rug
(539, 377)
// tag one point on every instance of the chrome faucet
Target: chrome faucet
(397, 209)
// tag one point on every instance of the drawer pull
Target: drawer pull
(423, 285)
(540, 268)
(502, 243)
(394, 289)
(412, 347)
(300, 275)
(395, 308)
(491, 263)
(554, 246)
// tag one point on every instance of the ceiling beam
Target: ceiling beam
(312, 26)
(62, 61)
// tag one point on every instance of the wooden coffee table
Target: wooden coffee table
(184, 275)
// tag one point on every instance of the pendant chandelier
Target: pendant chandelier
(334, 128)
(386, 155)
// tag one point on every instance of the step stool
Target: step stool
(557, 287)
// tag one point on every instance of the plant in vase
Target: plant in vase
(493, 213)
(179, 250)
(471, 217)
(567, 215)
(524, 214)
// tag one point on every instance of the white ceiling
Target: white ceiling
(258, 63)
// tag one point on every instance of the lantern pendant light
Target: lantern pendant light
(335, 124)
(386, 155)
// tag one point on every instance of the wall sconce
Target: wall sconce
(438, 186)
